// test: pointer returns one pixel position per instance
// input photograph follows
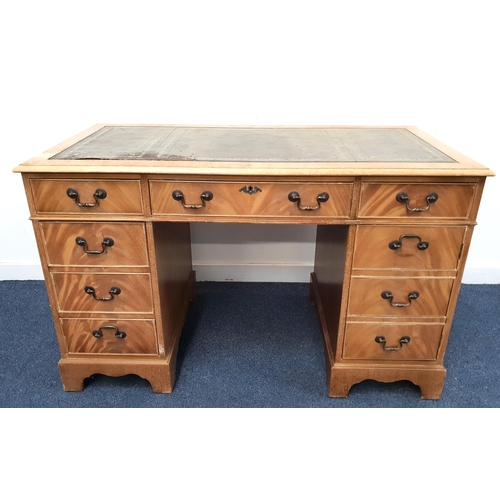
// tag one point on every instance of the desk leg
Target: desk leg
(175, 288)
(429, 379)
(156, 372)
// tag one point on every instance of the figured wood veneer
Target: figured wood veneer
(123, 197)
(365, 296)
(379, 200)
(442, 253)
(360, 341)
(135, 296)
(270, 200)
(129, 248)
(140, 336)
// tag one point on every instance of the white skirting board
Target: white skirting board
(284, 273)
(272, 272)
(20, 271)
(481, 276)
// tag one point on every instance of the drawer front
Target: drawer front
(103, 336)
(95, 244)
(408, 247)
(392, 341)
(366, 296)
(102, 196)
(253, 199)
(133, 294)
(453, 201)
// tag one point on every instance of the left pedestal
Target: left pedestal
(119, 285)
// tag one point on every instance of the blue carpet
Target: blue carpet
(244, 345)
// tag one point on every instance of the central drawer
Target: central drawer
(121, 293)
(251, 199)
(399, 297)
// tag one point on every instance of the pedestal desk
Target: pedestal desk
(394, 210)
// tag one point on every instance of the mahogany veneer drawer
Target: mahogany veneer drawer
(372, 296)
(103, 336)
(408, 247)
(63, 196)
(446, 200)
(392, 341)
(95, 244)
(124, 293)
(260, 198)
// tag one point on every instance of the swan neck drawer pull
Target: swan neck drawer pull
(113, 292)
(388, 296)
(178, 195)
(99, 332)
(82, 242)
(99, 194)
(397, 244)
(294, 197)
(380, 339)
(404, 198)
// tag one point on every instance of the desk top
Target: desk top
(253, 145)
(218, 150)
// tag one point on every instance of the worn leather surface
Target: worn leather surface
(254, 145)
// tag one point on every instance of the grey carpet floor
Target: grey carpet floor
(243, 345)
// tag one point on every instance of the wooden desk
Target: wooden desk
(394, 210)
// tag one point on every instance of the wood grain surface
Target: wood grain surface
(135, 296)
(123, 197)
(270, 199)
(379, 200)
(359, 342)
(441, 254)
(129, 248)
(365, 296)
(140, 336)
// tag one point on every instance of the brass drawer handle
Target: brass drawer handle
(82, 242)
(294, 197)
(99, 194)
(99, 332)
(113, 292)
(388, 296)
(404, 198)
(397, 244)
(178, 195)
(380, 339)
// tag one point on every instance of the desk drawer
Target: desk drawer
(392, 341)
(95, 244)
(407, 247)
(110, 336)
(426, 200)
(421, 296)
(251, 199)
(84, 197)
(123, 293)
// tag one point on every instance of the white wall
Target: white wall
(65, 66)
